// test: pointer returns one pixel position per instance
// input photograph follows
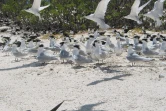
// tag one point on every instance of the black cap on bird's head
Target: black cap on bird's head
(164, 39)
(158, 39)
(62, 43)
(103, 42)
(96, 41)
(23, 37)
(36, 40)
(77, 46)
(131, 45)
(108, 35)
(75, 40)
(140, 42)
(152, 37)
(91, 36)
(87, 38)
(51, 36)
(17, 43)
(115, 31)
(148, 35)
(41, 45)
(126, 36)
(29, 40)
(136, 36)
(146, 40)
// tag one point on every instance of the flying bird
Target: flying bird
(57, 107)
(99, 14)
(35, 9)
(157, 12)
(135, 10)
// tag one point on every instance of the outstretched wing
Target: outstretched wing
(36, 4)
(142, 7)
(101, 9)
(41, 8)
(135, 7)
(159, 6)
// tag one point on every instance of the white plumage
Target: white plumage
(99, 14)
(135, 10)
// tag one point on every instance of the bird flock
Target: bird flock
(99, 14)
(97, 46)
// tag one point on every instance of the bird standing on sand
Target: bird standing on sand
(43, 56)
(77, 58)
(133, 57)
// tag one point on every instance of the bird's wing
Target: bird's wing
(140, 8)
(159, 6)
(36, 4)
(135, 7)
(151, 14)
(101, 9)
(136, 57)
(158, 23)
(154, 14)
(42, 8)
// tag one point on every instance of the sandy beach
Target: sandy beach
(110, 86)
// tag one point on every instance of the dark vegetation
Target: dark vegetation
(69, 14)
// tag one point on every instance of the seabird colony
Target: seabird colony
(97, 46)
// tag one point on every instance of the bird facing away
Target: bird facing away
(99, 14)
(135, 10)
(35, 9)
(156, 13)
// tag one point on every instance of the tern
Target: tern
(77, 58)
(64, 55)
(43, 56)
(99, 14)
(35, 9)
(157, 12)
(97, 53)
(146, 51)
(17, 53)
(135, 10)
(133, 57)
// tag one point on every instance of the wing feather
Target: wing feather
(101, 9)
(36, 4)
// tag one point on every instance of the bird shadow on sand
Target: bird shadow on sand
(33, 64)
(89, 107)
(78, 67)
(108, 69)
(129, 66)
(118, 77)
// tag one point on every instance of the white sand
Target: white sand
(114, 86)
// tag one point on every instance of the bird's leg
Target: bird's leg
(132, 64)
(102, 61)
(62, 61)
